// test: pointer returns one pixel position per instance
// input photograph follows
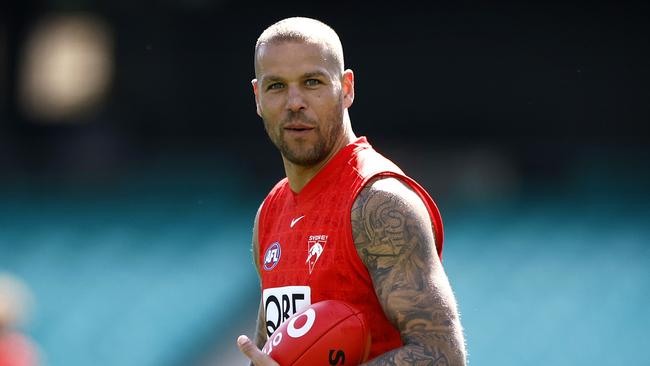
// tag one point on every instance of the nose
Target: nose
(295, 99)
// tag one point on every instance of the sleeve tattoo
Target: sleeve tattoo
(393, 236)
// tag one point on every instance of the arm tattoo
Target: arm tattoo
(393, 236)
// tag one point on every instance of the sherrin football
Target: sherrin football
(327, 333)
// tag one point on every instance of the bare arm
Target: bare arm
(260, 332)
(393, 236)
(246, 346)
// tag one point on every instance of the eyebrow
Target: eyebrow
(270, 78)
(273, 78)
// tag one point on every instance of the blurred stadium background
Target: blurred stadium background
(132, 163)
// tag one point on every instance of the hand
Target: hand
(257, 357)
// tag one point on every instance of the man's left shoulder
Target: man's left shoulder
(387, 217)
(389, 190)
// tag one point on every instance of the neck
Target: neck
(299, 176)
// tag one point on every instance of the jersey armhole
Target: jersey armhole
(261, 223)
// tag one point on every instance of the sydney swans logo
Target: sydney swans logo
(315, 247)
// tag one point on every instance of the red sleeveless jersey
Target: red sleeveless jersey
(307, 253)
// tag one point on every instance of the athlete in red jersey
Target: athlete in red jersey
(346, 223)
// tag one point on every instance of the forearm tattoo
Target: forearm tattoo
(394, 239)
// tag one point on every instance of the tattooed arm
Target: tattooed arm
(394, 238)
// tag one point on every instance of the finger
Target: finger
(251, 351)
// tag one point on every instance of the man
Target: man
(346, 223)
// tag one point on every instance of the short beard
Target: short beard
(308, 158)
(316, 153)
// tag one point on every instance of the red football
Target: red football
(329, 332)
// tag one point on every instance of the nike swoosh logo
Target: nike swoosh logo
(294, 221)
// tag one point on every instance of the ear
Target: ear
(348, 88)
(257, 97)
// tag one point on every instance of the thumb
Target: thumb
(250, 350)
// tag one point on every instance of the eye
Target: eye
(275, 86)
(312, 82)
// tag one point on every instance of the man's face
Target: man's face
(299, 96)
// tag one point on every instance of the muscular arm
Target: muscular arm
(393, 236)
(260, 332)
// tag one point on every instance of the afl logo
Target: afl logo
(272, 256)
